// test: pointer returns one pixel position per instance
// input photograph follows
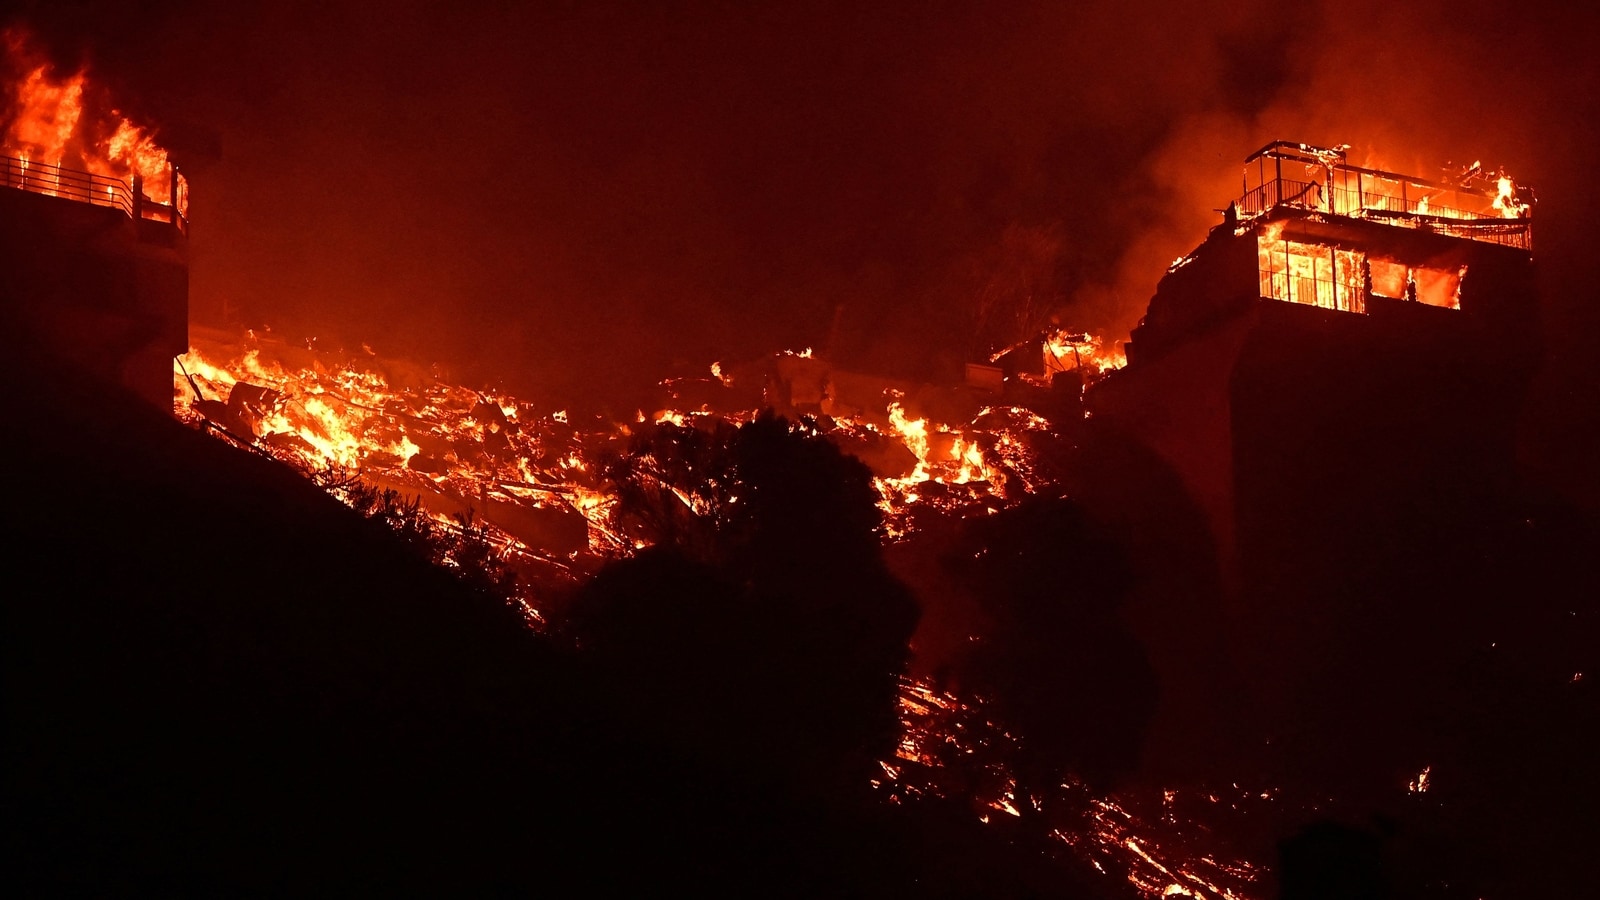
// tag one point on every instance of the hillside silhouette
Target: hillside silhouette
(221, 681)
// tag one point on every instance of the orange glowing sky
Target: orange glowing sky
(582, 195)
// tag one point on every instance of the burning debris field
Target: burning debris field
(540, 475)
(551, 495)
(553, 498)
(1035, 566)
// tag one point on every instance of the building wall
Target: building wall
(1156, 465)
(90, 288)
(1344, 466)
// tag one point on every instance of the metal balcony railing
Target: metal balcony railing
(97, 190)
(1320, 180)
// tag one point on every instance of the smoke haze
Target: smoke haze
(577, 197)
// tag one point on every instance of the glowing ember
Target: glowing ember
(528, 472)
(1162, 849)
(462, 449)
(1419, 785)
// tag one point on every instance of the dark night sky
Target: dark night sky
(565, 194)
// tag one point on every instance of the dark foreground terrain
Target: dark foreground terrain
(219, 681)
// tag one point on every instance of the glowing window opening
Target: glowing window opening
(1312, 274)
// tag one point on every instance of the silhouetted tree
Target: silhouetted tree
(673, 485)
(764, 626)
(1057, 666)
(1015, 285)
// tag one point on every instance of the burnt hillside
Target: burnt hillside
(220, 681)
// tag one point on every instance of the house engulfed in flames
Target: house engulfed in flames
(93, 231)
(1333, 370)
(1312, 229)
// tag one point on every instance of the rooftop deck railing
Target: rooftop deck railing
(1294, 175)
(97, 190)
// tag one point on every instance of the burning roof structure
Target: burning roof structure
(1311, 229)
(1321, 269)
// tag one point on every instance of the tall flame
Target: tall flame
(52, 123)
(1506, 201)
(47, 112)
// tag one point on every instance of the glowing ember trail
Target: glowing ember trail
(1164, 845)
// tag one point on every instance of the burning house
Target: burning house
(93, 237)
(1328, 388)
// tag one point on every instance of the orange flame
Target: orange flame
(47, 112)
(53, 124)
(342, 414)
(1506, 201)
